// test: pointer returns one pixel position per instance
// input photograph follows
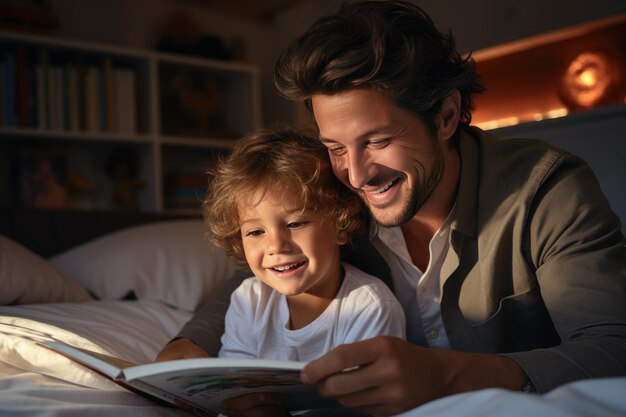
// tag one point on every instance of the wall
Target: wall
(476, 24)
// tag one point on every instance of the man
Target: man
(505, 255)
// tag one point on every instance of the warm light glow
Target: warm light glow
(591, 79)
(494, 124)
(553, 114)
(588, 77)
(511, 121)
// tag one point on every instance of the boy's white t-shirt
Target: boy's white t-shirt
(257, 320)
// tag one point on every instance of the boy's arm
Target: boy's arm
(201, 335)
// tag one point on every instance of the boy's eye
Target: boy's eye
(254, 233)
(296, 225)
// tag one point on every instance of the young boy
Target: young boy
(275, 204)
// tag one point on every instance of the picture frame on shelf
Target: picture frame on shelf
(45, 178)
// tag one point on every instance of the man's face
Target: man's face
(384, 153)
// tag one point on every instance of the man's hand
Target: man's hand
(181, 348)
(387, 375)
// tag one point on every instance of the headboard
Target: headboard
(49, 232)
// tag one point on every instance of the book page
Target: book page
(207, 388)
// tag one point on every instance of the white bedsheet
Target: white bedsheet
(25, 393)
(35, 381)
(588, 398)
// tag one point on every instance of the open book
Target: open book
(200, 385)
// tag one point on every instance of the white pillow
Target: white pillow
(166, 261)
(27, 278)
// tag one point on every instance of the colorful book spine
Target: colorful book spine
(8, 97)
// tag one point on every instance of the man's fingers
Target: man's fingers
(351, 381)
(345, 358)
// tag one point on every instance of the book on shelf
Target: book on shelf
(8, 90)
(201, 385)
(47, 89)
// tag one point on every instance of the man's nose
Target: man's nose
(360, 169)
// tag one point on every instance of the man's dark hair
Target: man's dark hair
(390, 46)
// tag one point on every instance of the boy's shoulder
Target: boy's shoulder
(253, 287)
(361, 284)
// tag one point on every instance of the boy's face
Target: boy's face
(292, 251)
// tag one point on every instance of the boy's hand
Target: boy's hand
(180, 348)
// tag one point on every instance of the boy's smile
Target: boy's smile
(290, 249)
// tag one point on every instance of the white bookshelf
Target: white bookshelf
(175, 115)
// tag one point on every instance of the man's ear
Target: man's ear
(449, 115)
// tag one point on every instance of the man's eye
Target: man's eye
(337, 151)
(254, 233)
(378, 144)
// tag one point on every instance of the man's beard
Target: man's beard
(418, 195)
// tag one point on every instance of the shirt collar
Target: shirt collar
(467, 194)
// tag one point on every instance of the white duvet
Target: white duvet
(35, 381)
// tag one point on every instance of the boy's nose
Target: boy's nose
(278, 242)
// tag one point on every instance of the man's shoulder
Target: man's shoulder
(506, 151)
(515, 163)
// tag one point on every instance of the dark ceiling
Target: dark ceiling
(262, 11)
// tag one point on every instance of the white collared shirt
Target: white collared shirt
(419, 292)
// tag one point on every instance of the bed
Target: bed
(123, 284)
(116, 283)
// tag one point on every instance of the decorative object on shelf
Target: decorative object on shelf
(184, 190)
(190, 102)
(43, 182)
(592, 79)
(122, 168)
(52, 178)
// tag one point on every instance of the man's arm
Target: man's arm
(578, 250)
(201, 335)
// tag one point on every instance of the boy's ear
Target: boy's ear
(342, 237)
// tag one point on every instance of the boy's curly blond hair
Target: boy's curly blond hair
(272, 160)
